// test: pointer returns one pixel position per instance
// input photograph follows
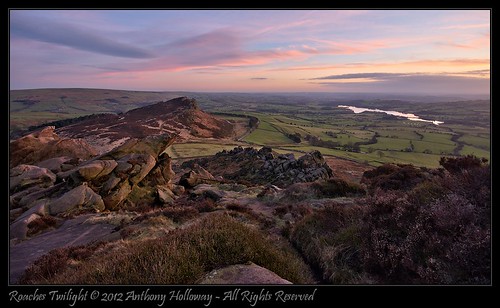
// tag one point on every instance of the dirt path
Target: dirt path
(73, 232)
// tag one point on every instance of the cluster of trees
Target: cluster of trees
(349, 146)
(316, 141)
(410, 148)
(331, 134)
(297, 137)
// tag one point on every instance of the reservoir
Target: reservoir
(409, 116)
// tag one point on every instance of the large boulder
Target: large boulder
(79, 198)
(246, 274)
(59, 164)
(152, 145)
(116, 196)
(27, 198)
(204, 191)
(311, 160)
(141, 165)
(89, 171)
(198, 175)
(162, 173)
(110, 184)
(130, 171)
(176, 189)
(19, 228)
(44, 144)
(25, 176)
(165, 195)
(96, 169)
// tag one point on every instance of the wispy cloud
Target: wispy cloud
(295, 50)
(476, 72)
(381, 76)
(389, 76)
(408, 82)
(417, 63)
(46, 30)
(467, 26)
(218, 48)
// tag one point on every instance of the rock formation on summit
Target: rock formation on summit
(180, 117)
(46, 144)
(56, 172)
(265, 166)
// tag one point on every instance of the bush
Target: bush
(441, 242)
(456, 165)
(238, 208)
(182, 257)
(297, 138)
(437, 232)
(473, 184)
(330, 240)
(428, 191)
(394, 177)
(332, 188)
(180, 215)
(57, 261)
(298, 192)
(199, 203)
(298, 211)
(205, 205)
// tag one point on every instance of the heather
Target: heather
(437, 232)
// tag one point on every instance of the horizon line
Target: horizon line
(261, 92)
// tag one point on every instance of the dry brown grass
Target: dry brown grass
(41, 224)
(330, 240)
(181, 257)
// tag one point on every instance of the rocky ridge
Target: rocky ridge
(136, 170)
(178, 117)
(56, 175)
(264, 166)
(45, 144)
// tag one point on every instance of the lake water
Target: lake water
(409, 116)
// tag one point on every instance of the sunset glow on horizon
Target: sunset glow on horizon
(379, 51)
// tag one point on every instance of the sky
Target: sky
(369, 51)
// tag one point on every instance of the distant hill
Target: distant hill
(37, 106)
(180, 116)
(33, 107)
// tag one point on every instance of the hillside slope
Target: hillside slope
(180, 117)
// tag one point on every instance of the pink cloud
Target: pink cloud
(467, 26)
(225, 47)
(476, 42)
(409, 83)
(421, 63)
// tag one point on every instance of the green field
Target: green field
(476, 141)
(267, 137)
(433, 147)
(466, 129)
(475, 151)
(398, 141)
(194, 149)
